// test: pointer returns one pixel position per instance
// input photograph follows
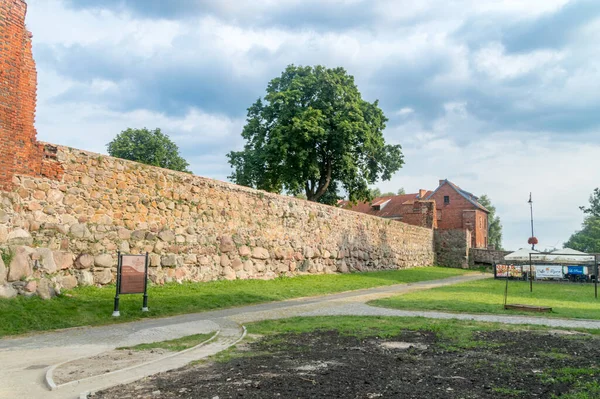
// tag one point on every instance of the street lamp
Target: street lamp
(532, 239)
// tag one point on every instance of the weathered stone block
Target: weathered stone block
(80, 230)
(31, 286)
(226, 244)
(124, 234)
(168, 261)
(104, 260)
(45, 290)
(20, 266)
(86, 278)
(260, 253)
(103, 277)
(166, 235)
(7, 291)
(19, 237)
(63, 260)
(84, 261)
(138, 235)
(68, 282)
(228, 273)
(46, 260)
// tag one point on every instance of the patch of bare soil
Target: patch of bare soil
(498, 364)
(104, 363)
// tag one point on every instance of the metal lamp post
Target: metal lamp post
(531, 209)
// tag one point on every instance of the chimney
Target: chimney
(422, 193)
(442, 182)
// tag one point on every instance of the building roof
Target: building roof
(467, 195)
(393, 208)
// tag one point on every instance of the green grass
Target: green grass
(173, 345)
(583, 381)
(459, 332)
(93, 306)
(487, 296)
(508, 391)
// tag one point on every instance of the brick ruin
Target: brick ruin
(20, 152)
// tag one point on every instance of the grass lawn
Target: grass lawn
(173, 345)
(93, 306)
(487, 296)
(459, 332)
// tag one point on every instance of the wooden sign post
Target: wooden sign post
(132, 278)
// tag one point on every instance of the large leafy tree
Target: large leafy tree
(314, 134)
(588, 238)
(594, 208)
(151, 147)
(494, 224)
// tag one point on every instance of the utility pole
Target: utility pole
(531, 209)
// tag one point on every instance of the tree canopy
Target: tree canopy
(588, 238)
(151, 147)
(494, 224)
(594, 208)
(376, 192)
(313, 133)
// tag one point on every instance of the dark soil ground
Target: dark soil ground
(325, 364)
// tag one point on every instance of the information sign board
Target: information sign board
(133, 274)
(132, 278)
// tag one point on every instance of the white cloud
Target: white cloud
(461, 104)
(494, 62)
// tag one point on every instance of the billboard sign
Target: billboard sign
(509, 270)
(548, 271)
(578, 270)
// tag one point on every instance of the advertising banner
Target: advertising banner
(578, 270)
(548, 271)
(509, 270)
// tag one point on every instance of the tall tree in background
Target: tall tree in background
(376, 192)
(315, 134)
(594, 208)
(151, 147)
(588, 238)
(494, 224)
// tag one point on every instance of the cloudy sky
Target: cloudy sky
(500, 96)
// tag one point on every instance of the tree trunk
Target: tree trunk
(324, 182)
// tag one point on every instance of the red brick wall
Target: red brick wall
(420, 213)
(20, 153)
(461, 214)
(451, 214)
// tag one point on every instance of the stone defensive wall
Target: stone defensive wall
(64, 213)
(68, 230)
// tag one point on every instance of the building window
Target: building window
(446, 199)
(481, 223)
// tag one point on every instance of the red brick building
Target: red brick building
(447, 208)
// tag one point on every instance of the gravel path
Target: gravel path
(361, 309)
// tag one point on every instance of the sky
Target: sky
(501, 97)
